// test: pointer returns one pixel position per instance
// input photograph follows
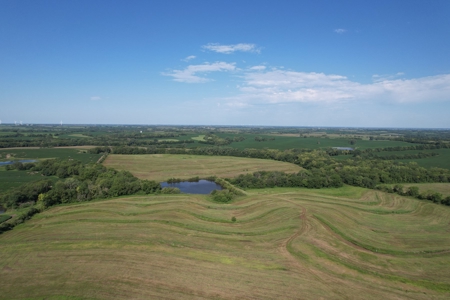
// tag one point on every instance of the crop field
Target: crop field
(12, 179)
(44, 153)
(289, 142)
(161, 167)
(346, 243)
(440, 161)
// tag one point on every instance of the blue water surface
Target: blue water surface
(4, 163)
(201, 187)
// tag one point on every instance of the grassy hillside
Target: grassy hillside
(161, 167)
(286, 243)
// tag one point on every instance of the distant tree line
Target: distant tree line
(419, 155)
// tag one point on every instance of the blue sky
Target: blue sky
(283, 63)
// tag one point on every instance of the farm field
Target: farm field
(161, 167)
(289, 142)
(78, 153)
(342, 243)
(12, 179)
(439, 161)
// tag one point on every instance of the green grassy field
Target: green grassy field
(161, 167)
(347, 243)
(44, 153)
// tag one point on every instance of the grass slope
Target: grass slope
(161, 167)
(286, 243)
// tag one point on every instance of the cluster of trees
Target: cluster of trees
(263, 139)
(315, 179)
(215, 140)
(17, 165)
(419, 155)
(78, 182)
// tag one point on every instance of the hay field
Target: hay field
(161, 167)
(346, 243)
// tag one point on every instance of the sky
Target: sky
(383, 63)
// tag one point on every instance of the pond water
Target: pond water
(200, 187)
(2, 209)
(4, 163)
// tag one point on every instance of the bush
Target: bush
(222, 196)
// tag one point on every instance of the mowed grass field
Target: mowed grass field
(347, 243)
(161, 167)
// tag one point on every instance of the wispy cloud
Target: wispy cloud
(190, 57)
(189, 74)
(281, 86)
(228, 49)
(340, 30)
(378, 78)
(96, 98)
(258, 68)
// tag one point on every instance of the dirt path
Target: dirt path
(295, 264)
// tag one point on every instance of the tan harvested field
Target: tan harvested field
(346, 243)
(161, 167)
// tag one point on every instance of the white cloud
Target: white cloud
(228, 49)
(258, 68)
(96, 98)
(188, 75)
(340, 30)
(281, 86)
(190, 57)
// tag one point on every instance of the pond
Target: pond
(200, 187)
(4, 163)
(2, 209)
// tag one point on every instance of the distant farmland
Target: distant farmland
(161, 167)
(347, 243)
